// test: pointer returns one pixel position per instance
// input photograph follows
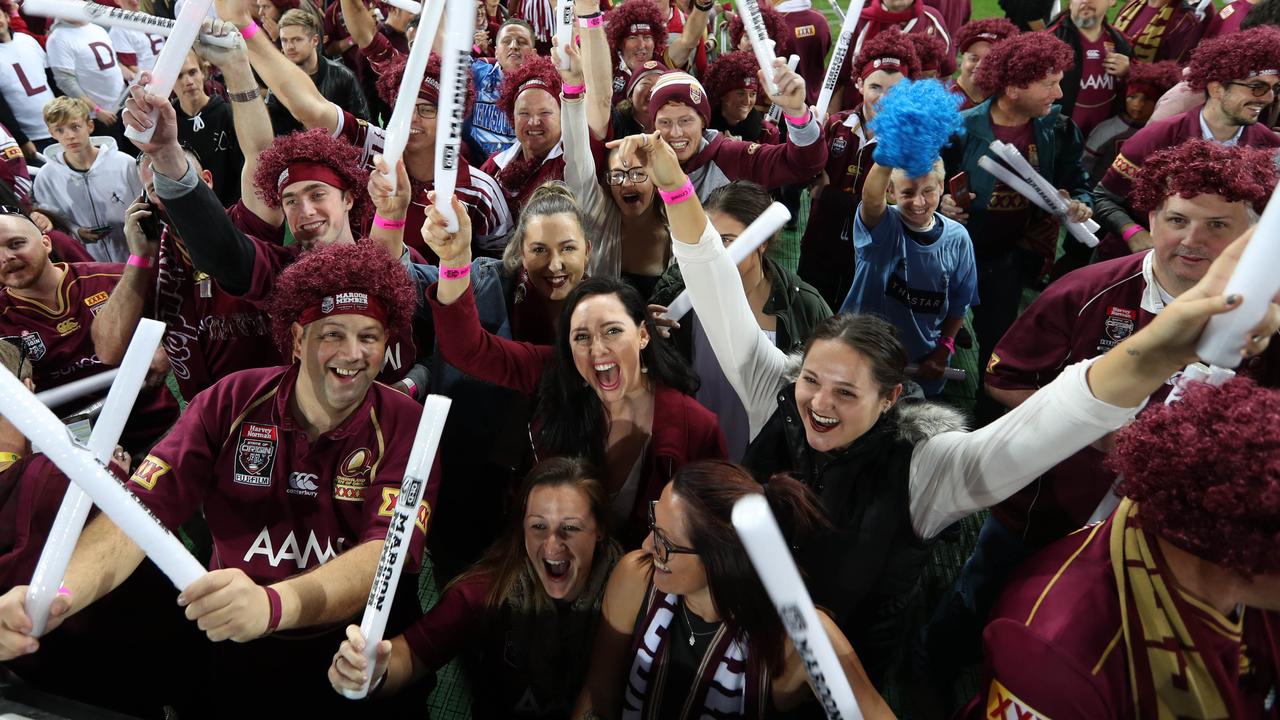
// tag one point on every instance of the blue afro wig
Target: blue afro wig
(914, 121)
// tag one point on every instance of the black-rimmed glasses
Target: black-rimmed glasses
(635, 176)
(1258, 89)
(663, 548)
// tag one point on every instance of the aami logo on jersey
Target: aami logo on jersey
(305, 484)
(303, 556)
(353, 476)
(389, 498)
(256, 454)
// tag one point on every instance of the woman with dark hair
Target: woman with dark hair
(519, 297)
(610, 388)
(522, 619)
(689, 629)
(785, 307)
(629, 226)
(891, 475)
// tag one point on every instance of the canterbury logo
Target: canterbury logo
(304, 483)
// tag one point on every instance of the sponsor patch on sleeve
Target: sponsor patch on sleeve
(1004, 705)
(753, 148)
(389, 497)
(806, 31)
(995, 359)
(149, 472)
(1124, 166)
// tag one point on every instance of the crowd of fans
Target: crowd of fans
(575, 534)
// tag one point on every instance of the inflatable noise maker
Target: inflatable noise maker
(1018, 174)
(414, 8)
(455, 71)
(110, 16)
(762, 539)
(756, 234)
(1256, 281)
(390, 564)
(848, 24)
(89, 477)
(753, 25)
(172, 56)
(775, 110)
(415, 69)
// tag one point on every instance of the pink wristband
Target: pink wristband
(1130, 231)
(97, 109)
(679, 195)
(139, 261)
(379, 221)
(797, 120)
(949, 343)
(455, 273)
(573, 89)
(249, 30)
(593, 21)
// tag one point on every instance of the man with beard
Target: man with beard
(1239, 75)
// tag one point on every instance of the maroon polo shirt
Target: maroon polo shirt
(1055, 648)
(60, 345)
(277, 503)
(1228, 19)
(810, 40)
(830, 230)
(210, 333)
(1082, 315)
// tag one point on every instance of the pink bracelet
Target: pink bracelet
(97, 109)
(591, 21)
(455, 273)
(139, 261)
(679, 195)
(949, 343)
(1130, 231)
(797, 120)
(573, 89)
(379, 221)
(249, 30)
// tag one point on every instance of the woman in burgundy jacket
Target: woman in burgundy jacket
(610, 389)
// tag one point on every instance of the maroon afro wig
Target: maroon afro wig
(388, 84)
(1198, 167)
(1021, 60)
(731, 71)
(538, 71)
(889, 43)
(1235, 56)
(619, 20)
(314, 146)
(1152, 79)
(775, 27)
(991, 30)
(1205, 472)
(932, 51)
(328, 269)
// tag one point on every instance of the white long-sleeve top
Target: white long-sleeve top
(952, 473)
(603, 216)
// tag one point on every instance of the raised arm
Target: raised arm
(597, 71)
(113, 326)
(695, 26)
(580, 171)
(874, 200)
(753, 364)
(287, 81)
(252, 121)
(954, 474)
(360, 23)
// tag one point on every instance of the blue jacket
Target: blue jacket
(1058, 144)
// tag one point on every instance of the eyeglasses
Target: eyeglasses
(424, 111)
(635, 176)
(662, 547)
(1259, 89)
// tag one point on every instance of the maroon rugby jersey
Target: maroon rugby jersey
(1082, 315)
(276, 503)
(517, 178)
(210, 333)
(1228, 19)
(13, 168)
(60, 346)
(810, 40)
(826, 252)
(1055, 648)
(477, 190)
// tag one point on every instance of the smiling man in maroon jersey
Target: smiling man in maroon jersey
(49, 307)
(296, 470)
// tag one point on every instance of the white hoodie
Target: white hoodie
(98, 196)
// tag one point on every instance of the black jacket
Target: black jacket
(1066, 31)
(336, 83)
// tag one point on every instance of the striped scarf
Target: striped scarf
(1146, 40)
(730, 683)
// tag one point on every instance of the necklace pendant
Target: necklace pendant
(691, 640)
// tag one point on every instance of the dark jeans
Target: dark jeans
(1001, 279)
(953, 637)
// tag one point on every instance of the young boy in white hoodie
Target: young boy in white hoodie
(87, 179)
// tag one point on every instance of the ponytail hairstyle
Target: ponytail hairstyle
(550, 198)
(574, 421)
(708, 490)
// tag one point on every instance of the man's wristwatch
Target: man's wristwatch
(246, 96)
